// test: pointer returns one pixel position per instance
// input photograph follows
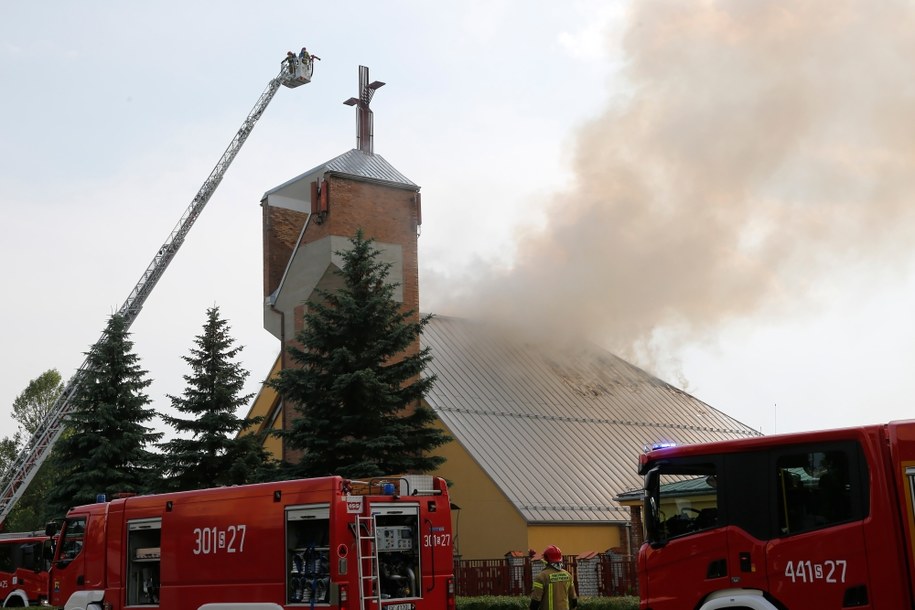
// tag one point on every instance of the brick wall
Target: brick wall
(281, 230)
(384, 213)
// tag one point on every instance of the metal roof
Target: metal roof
(359, 166)
(559, 431)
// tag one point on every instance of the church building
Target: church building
(544, 441)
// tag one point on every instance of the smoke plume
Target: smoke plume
(756, 146)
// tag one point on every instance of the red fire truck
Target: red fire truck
(811, 520)
(24, 561)
(329, 543)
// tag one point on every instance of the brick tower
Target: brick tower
(311, 217)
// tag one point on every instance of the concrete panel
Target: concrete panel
(299, 203)
(313, 265)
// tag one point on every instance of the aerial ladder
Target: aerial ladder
(294, 72)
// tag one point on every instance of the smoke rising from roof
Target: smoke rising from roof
(757, 147)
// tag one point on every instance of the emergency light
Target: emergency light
(657, 446)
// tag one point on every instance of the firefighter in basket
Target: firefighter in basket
(553, 587)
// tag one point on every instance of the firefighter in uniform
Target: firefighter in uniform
(553, 587)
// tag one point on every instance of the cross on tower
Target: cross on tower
(364, 129)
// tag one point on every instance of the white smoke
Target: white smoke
(758, 145)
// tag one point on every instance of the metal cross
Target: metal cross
(364, 120)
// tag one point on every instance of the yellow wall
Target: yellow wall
(575, 539)
(265, 405)
(487, 526)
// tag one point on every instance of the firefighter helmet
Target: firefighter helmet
(552, 554)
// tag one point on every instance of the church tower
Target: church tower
(311, 217)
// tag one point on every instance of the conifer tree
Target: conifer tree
(105, 448)
(357, 392)
(208, 451)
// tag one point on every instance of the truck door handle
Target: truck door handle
(80, 580)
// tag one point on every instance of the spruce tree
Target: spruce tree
(105, 448)
(357, 393)
(209, 451)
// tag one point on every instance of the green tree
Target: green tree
(209, 450)
(358, 391)
(30, 410)
(31, 407)
(106, 448)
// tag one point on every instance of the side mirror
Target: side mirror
(51, 529)
(653, 516)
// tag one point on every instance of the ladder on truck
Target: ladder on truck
(367, 557)
(21, 472)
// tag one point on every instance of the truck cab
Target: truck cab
(792, 521)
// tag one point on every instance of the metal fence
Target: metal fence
(595, 575)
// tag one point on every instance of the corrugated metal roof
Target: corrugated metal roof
(358, 165)
(559, 431)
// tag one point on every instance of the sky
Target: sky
(718, 191)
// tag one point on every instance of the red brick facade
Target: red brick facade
(281, 231)
(384, 213)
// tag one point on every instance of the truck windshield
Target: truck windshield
(680, 500)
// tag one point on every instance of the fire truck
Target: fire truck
(808, 520)
(24, 561)
(328, 543)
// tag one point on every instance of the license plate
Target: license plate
(399, 607)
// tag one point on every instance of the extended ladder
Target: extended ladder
(16, 478)
(367, 554)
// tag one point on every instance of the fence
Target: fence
(595, 575)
